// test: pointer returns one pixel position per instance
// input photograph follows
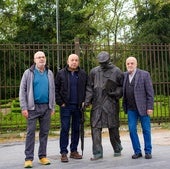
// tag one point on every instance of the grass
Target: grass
(12, 120)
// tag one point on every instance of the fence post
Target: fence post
(77, 46)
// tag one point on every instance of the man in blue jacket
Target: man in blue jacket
(70, 86)
(138, 102)
(37, 101)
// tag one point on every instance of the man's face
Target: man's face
(104, 65)
(131, 64)
(40, 59)
(73, 62)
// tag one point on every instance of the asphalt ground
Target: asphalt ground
(12, 154)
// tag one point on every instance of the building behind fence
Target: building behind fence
(15, 58)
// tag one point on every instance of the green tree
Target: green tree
(152, 22)
(7, 20)
(34, 21)
(75, 20)
(111, 20)
(37, 23)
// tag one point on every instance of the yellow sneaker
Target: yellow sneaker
(28, 164)
(44, 161)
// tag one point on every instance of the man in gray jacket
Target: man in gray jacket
(37, 101)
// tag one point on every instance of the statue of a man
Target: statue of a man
(104, 90)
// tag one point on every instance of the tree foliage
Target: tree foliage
(106, 21)
(37, 23)
(152, 22)
(75, 20)
(7, 20)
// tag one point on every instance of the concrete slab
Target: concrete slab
(12, 155)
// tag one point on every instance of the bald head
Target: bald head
(131, 64)
(73, 62)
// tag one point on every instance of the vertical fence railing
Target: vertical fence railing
(15, 58)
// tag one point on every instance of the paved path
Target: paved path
(12, 156)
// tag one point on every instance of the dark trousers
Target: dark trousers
(69, 115)
(97, 140)
(43, 114)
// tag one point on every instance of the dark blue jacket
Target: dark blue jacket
(62, 84)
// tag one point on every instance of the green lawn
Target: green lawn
(11, 118)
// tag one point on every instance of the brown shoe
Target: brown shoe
(75, 155)
(64, 158)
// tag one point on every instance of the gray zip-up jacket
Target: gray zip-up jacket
(26, 95)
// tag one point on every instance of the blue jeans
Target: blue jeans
(133, 117)
(69, 115)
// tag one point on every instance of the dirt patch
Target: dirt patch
(5, 110)
(160, 136)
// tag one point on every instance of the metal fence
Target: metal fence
(15, 58)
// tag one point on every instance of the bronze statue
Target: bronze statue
(104, 90)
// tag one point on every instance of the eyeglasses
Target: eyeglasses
(40, 57)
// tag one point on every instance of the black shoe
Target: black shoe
(96, 157)
(135, 156)
(117, 152)
(148, 156)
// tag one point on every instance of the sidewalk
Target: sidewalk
(12, 155)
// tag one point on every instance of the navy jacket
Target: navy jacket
(62, 84)
(143, 92)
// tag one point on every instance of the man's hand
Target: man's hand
(149, 112)
(63, 105)
(25, 113)
(52, 112)
(84, 106)
(112, 94)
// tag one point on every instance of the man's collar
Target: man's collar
(133, 73)
(39, 69)
(76, 70)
